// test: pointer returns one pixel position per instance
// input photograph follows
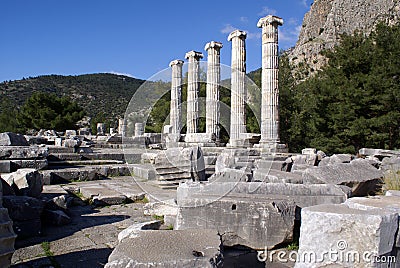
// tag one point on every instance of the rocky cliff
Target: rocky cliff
(327, 20)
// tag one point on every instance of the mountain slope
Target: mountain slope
(96, 93)
(327, 20)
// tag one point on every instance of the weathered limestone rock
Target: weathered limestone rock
(230, 175)
(273, 162)
(253, 223)
(6, 166)
(143, 171)
(212, 89)
(276, 176)
(12, 139)
(25, 213)
(338, 228)
(269, 79)
(166, 208)
(336, 159)
(380, 153)
(236, 158)
(310, 151)
(302, 162)
(71, 143)
(14, 164)
(327, 20)
(70, 133)
(238, 87)
(392, 193)
(193, 88)
(176, 99)
(26, 152)
(28, 182)
(252, 214)
(302, 195)
(169, 249)
(7, 238)
(363, 178)
(35, 140)
(384, 203)
(87, 173)
(55, 217)
(391, 164)
(7, 235)
(57, 202)
(135, 229)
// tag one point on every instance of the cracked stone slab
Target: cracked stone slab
(177, 248)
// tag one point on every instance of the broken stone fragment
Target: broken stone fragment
(55, 217)
(12, 139)
(257, 224)
(338, 228)
(28, 182)
(169, 249)
(359, 175)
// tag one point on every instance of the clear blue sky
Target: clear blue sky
(138, 38)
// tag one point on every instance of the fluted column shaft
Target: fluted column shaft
(238, 86)
(193, 88)
(269, 79)
(176, 96)
(212, 88)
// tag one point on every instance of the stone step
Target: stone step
(107, 192)
(168, 185)
(270, 164)
(30, 163)
(143, 171)
(85, 173)
(23, 152)
(85, 162)
(173, 177)
(7, 238)
(60, 149)
(172, 170)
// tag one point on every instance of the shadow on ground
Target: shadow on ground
(78, 259)
(82, 218)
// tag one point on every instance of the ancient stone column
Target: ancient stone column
(101, 129)
(269, 79)
(212, 88)
(121, 127)
(193, 88)
(139, 129)
(176, 97)
(238, 86)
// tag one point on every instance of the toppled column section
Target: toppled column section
(253, 214)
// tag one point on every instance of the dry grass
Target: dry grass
(391, 180)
